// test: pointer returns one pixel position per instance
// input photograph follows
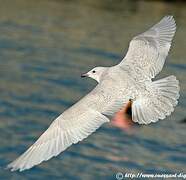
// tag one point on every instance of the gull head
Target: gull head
(96, 73)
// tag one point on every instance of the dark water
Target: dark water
(44, 47)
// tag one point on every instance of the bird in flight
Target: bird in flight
(130, 81)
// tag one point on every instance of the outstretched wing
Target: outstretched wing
(147, 51)
(61, 134)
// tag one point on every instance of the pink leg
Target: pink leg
(122, 119)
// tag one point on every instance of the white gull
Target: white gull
(131, 79)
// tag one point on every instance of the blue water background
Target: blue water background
(44, 47)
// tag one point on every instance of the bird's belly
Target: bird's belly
(110, 97)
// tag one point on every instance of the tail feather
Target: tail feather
(158, 103)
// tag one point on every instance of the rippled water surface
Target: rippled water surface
(44, 47)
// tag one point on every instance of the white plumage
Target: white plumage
(148, 50)
(130, 79)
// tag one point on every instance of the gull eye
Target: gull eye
(93, 71)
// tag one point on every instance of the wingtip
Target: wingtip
(167, 25)
(170, 18)
(12, 168)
